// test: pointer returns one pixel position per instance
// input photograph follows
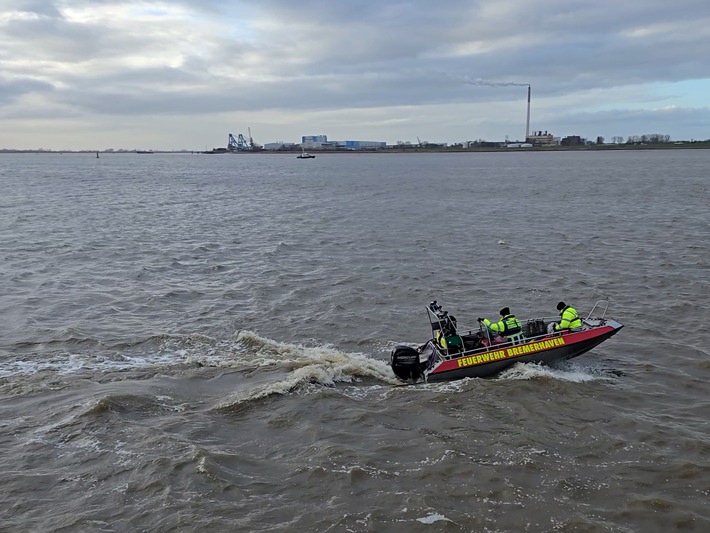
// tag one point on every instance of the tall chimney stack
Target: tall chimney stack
(527, 124)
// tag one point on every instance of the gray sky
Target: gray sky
(180, 74)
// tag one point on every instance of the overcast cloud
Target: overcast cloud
(102, 74)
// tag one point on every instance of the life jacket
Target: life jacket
(511, 326)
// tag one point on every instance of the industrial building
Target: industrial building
(572, 140)
(321, 142)
(280, 146)
(538, 138)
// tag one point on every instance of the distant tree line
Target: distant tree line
(651, 138)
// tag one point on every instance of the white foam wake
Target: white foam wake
(320, 365)
(568, 372)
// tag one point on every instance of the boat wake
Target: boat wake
(302, 366)
(562, 371)
(286, 366)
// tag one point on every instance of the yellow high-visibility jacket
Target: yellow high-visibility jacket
(508, 326)
(569, 319)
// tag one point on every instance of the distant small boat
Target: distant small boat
(305, 155)
(144, 151)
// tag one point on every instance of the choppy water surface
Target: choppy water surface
(193, 342)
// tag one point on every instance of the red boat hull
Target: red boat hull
(492, 360)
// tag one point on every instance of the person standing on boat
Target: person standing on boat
(508, 326)
(569, 319)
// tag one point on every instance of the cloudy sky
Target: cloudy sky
(182, 74)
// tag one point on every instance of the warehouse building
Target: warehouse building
(321, 142)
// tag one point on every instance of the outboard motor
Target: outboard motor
(405, 363)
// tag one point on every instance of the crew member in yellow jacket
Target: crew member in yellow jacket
(569, 319)
(508, 326)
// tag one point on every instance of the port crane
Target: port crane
(241, 144)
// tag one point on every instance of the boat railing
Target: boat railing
(599, 304)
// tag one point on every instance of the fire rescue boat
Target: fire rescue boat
(452, 354)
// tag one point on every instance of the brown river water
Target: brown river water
(200, 343)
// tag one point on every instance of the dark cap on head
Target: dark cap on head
(505, 311)
(561, 306)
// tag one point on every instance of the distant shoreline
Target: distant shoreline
(395, 150)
